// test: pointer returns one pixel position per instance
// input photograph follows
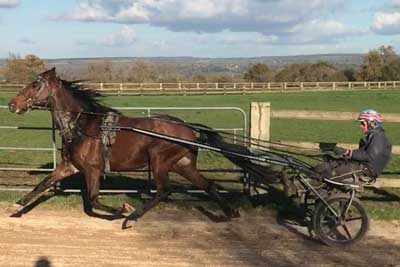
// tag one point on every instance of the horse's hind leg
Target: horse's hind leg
(186, 167)
(160, 173)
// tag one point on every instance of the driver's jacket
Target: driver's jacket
(374, 150)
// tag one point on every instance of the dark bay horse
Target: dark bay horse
(79, 116)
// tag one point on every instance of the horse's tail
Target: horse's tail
(233, 153)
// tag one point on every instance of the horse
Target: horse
(79, 117)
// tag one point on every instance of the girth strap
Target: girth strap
(108, 136)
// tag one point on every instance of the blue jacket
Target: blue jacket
(374, 150)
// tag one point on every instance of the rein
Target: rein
(230, 136)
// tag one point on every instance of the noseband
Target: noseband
(43, 83)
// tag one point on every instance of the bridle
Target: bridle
(31, 101)
(66, 123)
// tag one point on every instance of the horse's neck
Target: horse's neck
(66, 112)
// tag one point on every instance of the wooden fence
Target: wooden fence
(220, 88)
(261, 115)
(260, 128)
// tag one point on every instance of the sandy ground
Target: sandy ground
(179, 238)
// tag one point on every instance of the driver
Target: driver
(370, 158)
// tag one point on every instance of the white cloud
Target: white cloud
(312, 32)
(320, 31)
(393, 4)
(8, 3)
(386, 20)
(283, 19)
(386, 23)
(124, 37)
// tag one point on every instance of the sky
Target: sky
(196, 28)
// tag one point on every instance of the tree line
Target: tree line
(380, 64)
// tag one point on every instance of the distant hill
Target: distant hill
(190, 65)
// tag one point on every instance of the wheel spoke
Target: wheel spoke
(347, 231)
(353, 219)
(349, 226)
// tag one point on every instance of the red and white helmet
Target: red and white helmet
(370, 115)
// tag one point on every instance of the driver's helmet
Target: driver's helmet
(370, 115)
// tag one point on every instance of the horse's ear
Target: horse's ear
(52, 72)
(48, 74)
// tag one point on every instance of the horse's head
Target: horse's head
(36, 94)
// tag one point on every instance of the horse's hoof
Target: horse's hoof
(235, 213)
(15, 208)
(127, 223)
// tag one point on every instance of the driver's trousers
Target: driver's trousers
(343, 170)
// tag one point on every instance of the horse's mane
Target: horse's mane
(88, 96)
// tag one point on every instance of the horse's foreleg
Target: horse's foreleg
(64, 169)
(92, 178)
(45, 184)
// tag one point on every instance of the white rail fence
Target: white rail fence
(142, 89)
(239, 129)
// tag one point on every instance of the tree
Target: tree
(391, 72)
(100, 71)
(19, 69)
(199, 78)
(380, 64)
(372, 67)
(140, 71)
(310, 72)
(258, 73)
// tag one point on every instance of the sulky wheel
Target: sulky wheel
(350, 226)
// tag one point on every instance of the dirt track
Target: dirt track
(180, 238)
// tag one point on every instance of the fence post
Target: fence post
(121, 87)
(101, 87)
(260, 120)
(141, 89)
